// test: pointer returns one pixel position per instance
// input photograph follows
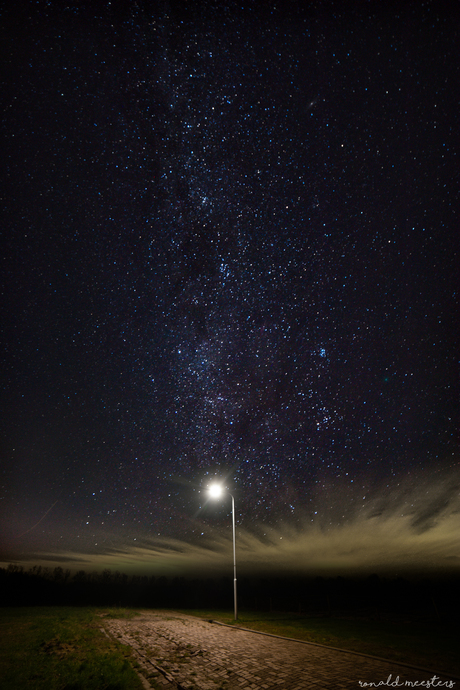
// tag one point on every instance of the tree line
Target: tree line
(371, 595)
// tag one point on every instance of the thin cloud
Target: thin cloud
(411, 526)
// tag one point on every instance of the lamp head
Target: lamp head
(215, 491)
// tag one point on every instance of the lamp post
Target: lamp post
(216, 491)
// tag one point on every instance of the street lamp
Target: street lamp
(216, 491)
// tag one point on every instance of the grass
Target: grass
(54, 648)
(420, 643)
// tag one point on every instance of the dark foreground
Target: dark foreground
(61, 648)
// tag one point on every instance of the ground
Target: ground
(184, 652)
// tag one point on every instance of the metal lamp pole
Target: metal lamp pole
(216, 491)
(235, 607)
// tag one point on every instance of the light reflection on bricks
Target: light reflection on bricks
(193, 653)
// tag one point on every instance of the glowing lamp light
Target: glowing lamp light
(215, 491)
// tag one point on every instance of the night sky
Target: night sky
(230, 249)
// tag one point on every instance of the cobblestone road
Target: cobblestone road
(183, 652)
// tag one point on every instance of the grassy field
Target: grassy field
(52, 648)
(429, 645)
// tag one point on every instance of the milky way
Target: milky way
(230, 250)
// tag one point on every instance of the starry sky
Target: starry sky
(230, 250)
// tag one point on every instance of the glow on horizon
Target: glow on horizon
(408, 526)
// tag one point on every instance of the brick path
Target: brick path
(183, 652)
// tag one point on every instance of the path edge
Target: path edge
(336, 649)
